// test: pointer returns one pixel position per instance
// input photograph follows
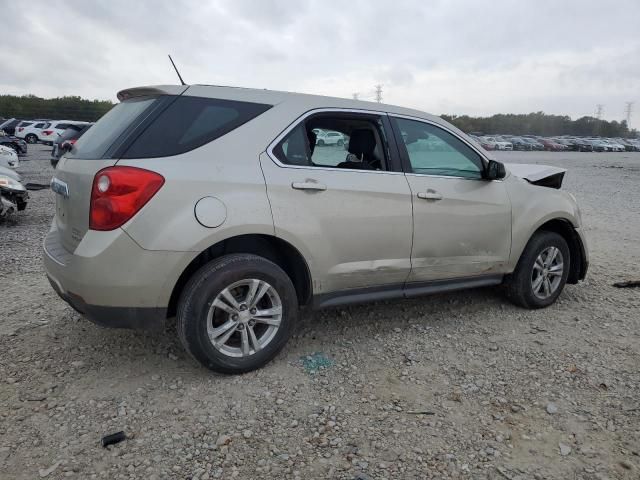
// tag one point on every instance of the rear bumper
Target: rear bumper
(111, 280)
(114, 317)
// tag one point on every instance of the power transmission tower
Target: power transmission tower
(628, 109)
(356, 95)
(599, 110)
(379, 93)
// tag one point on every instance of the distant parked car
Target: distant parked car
(499, 143)
(535, 144)
(568, 144)
(9, 126)
(552, 145)
(520, 144)
(66, 141)
(483, 143)
(324, 137)
(583, 144)
(56, 128)
(614, 146)
(628, 146)
(31, 131)
(598, 145)
(17, 144)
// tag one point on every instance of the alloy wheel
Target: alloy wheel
(244, 317)
(547, 272)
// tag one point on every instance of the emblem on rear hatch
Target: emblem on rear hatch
(60, 187)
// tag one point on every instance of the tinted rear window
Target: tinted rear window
(110, 127)
(190, 122)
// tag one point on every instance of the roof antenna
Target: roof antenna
(176, 68)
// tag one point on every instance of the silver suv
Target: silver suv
(215, 205)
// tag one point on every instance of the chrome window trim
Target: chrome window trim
(304, 116)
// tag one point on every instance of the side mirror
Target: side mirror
(495, 171)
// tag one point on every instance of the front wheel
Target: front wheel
(236, 313)
(541, 273)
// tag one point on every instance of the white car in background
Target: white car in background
(328, 137)
(613, 145)
(8, 157)
(31, 131)
(55, 129)
(499, 144)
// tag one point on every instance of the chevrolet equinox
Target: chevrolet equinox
(218, 206)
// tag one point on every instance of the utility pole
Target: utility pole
(379, 93)
(599, 110)
(355, 95)
(628, 109)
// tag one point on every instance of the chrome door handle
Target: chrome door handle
(319, 187)
(430, 195)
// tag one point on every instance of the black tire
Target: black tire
(31, 138)
(520, 283)
(321, 143)
(340, 143)
(203, 288)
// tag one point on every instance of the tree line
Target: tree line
(540, 123)
(61, 108)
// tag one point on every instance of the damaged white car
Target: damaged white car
(215, 205)
(8, 157)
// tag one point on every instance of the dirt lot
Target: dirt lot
(452, 386)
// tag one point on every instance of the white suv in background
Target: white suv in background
(32, 130)
(324, 137)
(51, 133)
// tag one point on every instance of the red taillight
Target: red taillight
(47, 132)
(20, 129)
(118, 193)
(72, 141)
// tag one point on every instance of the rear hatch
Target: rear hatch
(150, 122)
(99, 148)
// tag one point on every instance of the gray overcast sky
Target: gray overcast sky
(442, 56)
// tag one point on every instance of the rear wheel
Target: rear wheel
(31, 138)
(321, 143)
(541, 273)
(340, 143)
(236, 313)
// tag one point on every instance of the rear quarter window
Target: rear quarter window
(190, 122)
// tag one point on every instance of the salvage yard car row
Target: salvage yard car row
(40, 130)
(557, 144)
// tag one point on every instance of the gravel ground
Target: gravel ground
(460, 385)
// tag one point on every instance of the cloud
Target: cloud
(442, 56)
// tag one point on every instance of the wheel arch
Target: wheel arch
(275, 249)
(566, 230)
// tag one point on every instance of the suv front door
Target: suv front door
(347, 208)
(461, 222)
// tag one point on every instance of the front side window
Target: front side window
(434, 151)
(354, 142)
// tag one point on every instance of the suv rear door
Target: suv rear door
(353, 225)
(461, 222)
